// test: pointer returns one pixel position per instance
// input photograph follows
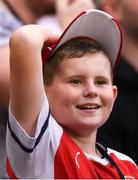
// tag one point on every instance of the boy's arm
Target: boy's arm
(26, 84)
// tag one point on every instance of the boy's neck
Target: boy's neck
(86, 143)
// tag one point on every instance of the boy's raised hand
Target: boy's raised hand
(34, 35)
(26, 84)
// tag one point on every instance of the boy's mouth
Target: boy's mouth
(88, 106)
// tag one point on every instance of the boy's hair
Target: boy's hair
(74, 48)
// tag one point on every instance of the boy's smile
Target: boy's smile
(82, 94)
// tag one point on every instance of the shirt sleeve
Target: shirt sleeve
(33, 157)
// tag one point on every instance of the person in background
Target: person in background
(120, 132)
(14, 14)
(65, 11)
(65, 94)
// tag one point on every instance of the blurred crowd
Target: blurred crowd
(56, 14)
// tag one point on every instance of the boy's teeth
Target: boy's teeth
(88, 107)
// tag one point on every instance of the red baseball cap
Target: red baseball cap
(96, 25)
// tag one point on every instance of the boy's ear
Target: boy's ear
(115, 92)
(113, 8)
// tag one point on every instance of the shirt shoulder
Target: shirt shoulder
(126, 163)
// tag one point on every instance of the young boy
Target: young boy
(55, 111)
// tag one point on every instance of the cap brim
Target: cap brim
(97, 25)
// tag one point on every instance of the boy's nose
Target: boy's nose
(90, 91)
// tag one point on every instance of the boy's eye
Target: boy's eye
(101, 82)
(75, 81)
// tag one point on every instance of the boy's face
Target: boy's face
(81, 96)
